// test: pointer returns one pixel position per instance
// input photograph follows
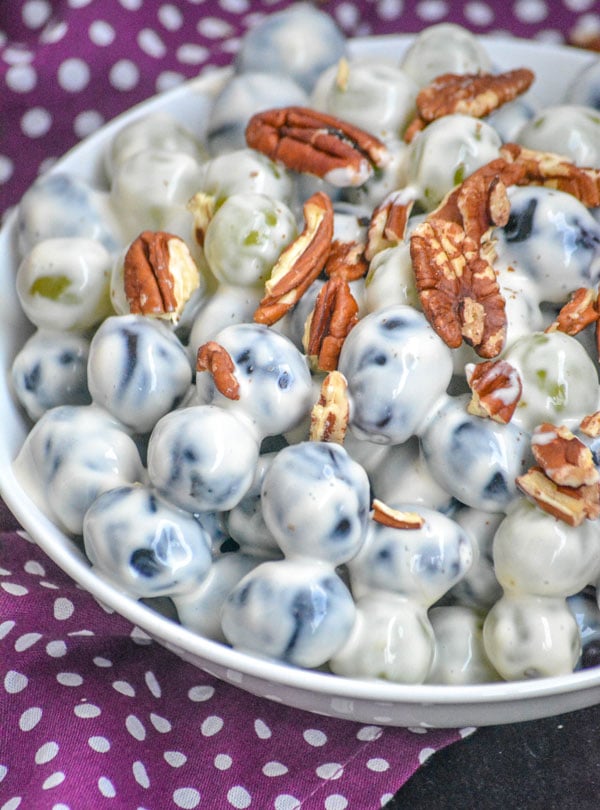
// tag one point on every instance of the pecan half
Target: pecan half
(474, 94)
(387, 227)
(573, 505)
(215, 358)
(159, 275)
(346, 260)
(579, 311)
(563, 457)
(306, 140)
(335, 313)
(300, 263)
(395, 518)
(555, 171)
(590, 425)
(496, 389)
(330, 415)
(458, 289)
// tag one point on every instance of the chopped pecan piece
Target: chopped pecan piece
(579, 311)
(300, 263)
(458, 288)
(590, 425)
(306, 140)
(395, 518)
(202, 208)
(159, 275)
(388, 222)
(346, 260)
(563, 457)
(573, 505)
(496, 387)
(334, 315)
(215, 358)
(555, 171)
(329, 416)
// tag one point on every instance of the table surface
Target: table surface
(550, 764)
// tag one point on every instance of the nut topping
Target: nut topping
(579, 311)
(395, 518)
(496, 388)
(159, 275)
(346, 260)
(563, 457)
(334, 315)
(458, 288)
(305, 140)
(388, 222)
(590, 425)
(202, 207)
(330, 415)
(300, 263)
(573, 505)
(215, 358)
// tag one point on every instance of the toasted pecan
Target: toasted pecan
(496, 389)
(331, 413)
(395, 518)
(335, 313)
(563, 457)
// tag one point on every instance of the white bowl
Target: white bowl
(375, 702)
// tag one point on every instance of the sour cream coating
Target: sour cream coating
(71, 456)
(460, 656)
(565, 129)
(585, 88)
(444, 48)
(144, 544)
(397, 368)
(50, 370)
(66, 281)
(245, 522)
(137, 370)
(314, 609)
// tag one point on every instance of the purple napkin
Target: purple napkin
(91, 709)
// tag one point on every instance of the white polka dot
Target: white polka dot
(15, 682)
(53, 32)
(579, 5)
(106, 787)
(235, 6)
(26, 641)
(378, 764)
(530, 11)
(170, 17)
(150, 42)
(30, 718)
(56, 649)
(53, 780)
(417, 730)
(35, 123)
(101, 33)
(432, 10)
(140, 774)
(329, 770)
(124, 75)
(152, 684)
(69, 679)
(211, 726)
(175, 758)
(17, 56)
(387, 797)
(262, 729)
(12, 804)
(347, 15)
(191, 54)
(34, 568)
(135, 727)
(187, 798)
(315, 737)
(214, 28)
(35, 13)
(139, 636)
(49, 585)
(102, 662)
(87, 122)
(3, 772)
(479, 13)
(131, 5)
(73, 75)
(201, 693)
(4, 572)
(87, 710)
(124, 688)
(223, 762)
(8, 625)
(31, 117)
(63, 608)
(46, 752)
(21, 78)
(168, 79)
(99, 744)
(369, 733)
(286, 802)
(239, 797)
(425, 753)
(336, 802)
(467, 731)
(79, 3)
(390, 9)
(231, 45)
(274, 769)
(161, 724)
